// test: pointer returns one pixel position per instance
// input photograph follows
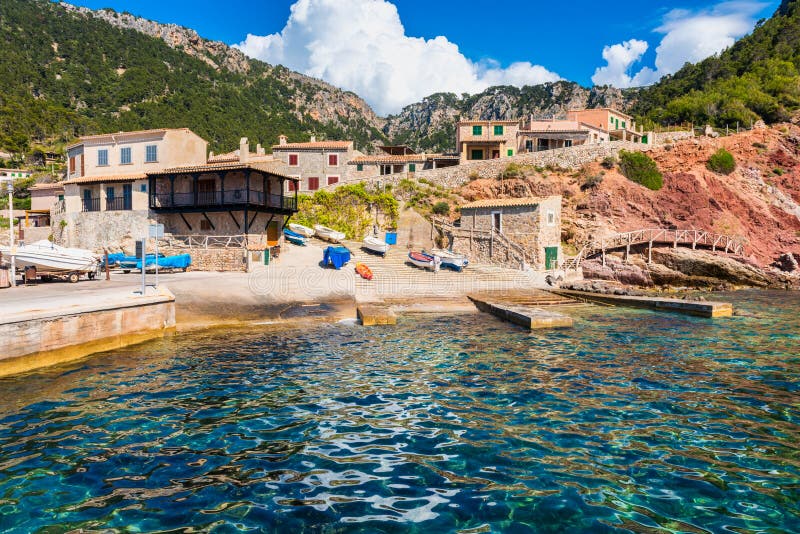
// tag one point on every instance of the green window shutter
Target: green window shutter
(477, 130)
(477, 154)
(360, 167)
(623, 125)
(498, 130)
(412, 167)
(510, 151)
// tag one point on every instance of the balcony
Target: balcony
(233, 199)
(90, 204)
(119, 204)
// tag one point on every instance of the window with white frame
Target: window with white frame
(151, 154)
(294, 160)
(333, 160)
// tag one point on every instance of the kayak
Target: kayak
(364, 271)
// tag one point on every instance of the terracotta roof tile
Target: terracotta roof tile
(388, 159)
(317, 145)
(507, 202)
(273, 167)
(106, 178)
(46, 186)
(85, 138)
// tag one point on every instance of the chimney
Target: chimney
(210, 155)
(313, 139)
(244, 150)
(260, 150)
(282, 140)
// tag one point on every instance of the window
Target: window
(568, 143)
(110, 193)
(143, 188)
(313, 184)
(477, 130)
(551, 218)
(412, 167)
(72, 164)
(333, 160)
(497, 221)
(623, 125)
(529, 145)
(151, 153)
(292, 185)
(510, 151)
(498, 130)
(360, 167)
(102, 157)
(476, 153)
(294, 160)
(333, 180)
(125, 155)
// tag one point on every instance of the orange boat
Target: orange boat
(364, 271)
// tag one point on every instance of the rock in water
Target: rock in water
(708, 265)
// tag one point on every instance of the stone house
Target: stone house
(396, 160)
(316, 163)
(538, 135)
(530, 224)
(620, 126)
(44, 197)
(478, 139)
(14, 174)
(106, 188)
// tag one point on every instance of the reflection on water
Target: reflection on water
(632, 421)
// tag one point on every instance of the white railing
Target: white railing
(204, 241)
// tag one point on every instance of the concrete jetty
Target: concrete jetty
(372, 314)
(521, 314)
(52, 329)
(689, 307)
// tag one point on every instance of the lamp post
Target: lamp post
(13, 273)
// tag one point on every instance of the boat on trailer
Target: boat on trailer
(328, 233)
(421, 259)
(451, 260)
(376, 245)
(294, 238)
(304, 231)
(51, 259)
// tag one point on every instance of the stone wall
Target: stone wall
(570, 158)
(99, 230)
(212, 259)
(671, 137)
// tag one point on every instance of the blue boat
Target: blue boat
(180, 261)
(294, 237)
(127, 263)
(336, 256)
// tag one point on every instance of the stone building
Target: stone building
(477, 140)
(538, 135)
(396, 160)
(528, 226)
(316, 163)
(44, 198)
(14, 174)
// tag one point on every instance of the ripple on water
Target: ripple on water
(631, 421)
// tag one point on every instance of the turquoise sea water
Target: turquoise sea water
(632, 421)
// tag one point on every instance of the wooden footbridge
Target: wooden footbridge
(657, 236)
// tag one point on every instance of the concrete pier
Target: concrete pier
(522, 315)
(688, 307)
(372, 314)
(37, 332)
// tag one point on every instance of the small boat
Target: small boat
(180, 261)
(50, 258)
(364, 271)
(304, 231)
(328, 233)
(451, 260)
(420, 259)
(377, 245)
(294, 238)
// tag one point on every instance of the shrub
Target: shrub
(441, 208)
(722, 162)
(609, 162)
(777, 171)
(591, 182)
(760, 145)
(512, 170)
(640, 168)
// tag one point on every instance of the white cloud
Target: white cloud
(361, 45)
(688, 37)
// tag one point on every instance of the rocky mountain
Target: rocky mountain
(430, 124)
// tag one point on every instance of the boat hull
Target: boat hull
(52, 259)
(420, 260)
(376, 245)
(304, 231)
(328, 233)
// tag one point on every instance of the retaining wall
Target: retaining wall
(212, 259)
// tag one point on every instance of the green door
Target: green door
(477, 153)
(550, 258)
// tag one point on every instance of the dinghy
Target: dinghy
(294, 238)
(376, 245)
(328, 233)
(420, 259)
(364, 271)
(304, 231)
(451, 260)
(50, 258)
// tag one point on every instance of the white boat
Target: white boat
(451, 259)
(304, 231)
(328, 233)
(421, 259)
(50, 258)
(376, 245)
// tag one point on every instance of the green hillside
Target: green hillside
(757, 78)
(63, 75)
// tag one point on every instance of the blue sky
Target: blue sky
(546, 39)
